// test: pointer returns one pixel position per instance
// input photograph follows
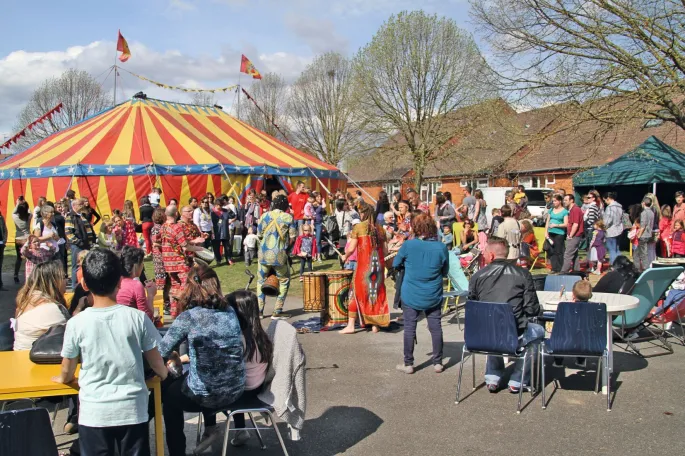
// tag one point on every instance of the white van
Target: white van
(495, 197)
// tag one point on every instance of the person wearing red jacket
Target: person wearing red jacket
(305, 248)
(678, 239)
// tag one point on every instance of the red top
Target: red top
(575, 215)
(297, 202)
(173, 243)
(132, 294)
(130, 236)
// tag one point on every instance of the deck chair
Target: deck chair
(525, 255)
(672, 311)
(457, 286)
(649, 288)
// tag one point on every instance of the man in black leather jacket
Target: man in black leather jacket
(503, 281)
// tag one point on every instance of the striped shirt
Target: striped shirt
(591, 215)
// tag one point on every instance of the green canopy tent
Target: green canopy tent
(652, 162)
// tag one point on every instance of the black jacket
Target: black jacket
(502, 281)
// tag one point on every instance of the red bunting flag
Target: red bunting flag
(248, 68)
(122, 46)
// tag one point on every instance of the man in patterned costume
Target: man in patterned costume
(276, 232)
(177, 254)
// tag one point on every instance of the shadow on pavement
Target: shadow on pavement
(338, 429)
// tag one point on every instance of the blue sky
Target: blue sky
(183, 42)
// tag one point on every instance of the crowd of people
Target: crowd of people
(228, 353)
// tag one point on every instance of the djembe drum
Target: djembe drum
(314, 287)
(337, 298)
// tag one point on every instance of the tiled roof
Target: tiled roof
(561, 145)
(500, 141)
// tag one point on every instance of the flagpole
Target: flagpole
(239, 87)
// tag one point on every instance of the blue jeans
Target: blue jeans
(612, 246)
(74, 264)
(317, 230)
(495, 365)
(350, 265)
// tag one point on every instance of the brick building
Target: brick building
(536, 148)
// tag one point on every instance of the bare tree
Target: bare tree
(324, 110)
(613, 60)
(80, 94)
(416, 70)
(203, 99)
(268, 110)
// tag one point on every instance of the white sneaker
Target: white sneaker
(240, 439)
(211, 436)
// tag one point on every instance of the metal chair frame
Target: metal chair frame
(602, 363)
(522, 355)
(263, 410)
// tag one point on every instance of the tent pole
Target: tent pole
(231, 184)
(359, 187)
(654, 188)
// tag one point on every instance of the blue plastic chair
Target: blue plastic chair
(27, 432)
(490, 329)
(580, 329)
(554, 282)
(649, 288)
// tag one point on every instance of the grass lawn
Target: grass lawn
(231, 277)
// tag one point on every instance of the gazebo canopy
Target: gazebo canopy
(651, 162)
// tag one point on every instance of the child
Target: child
(36, 252)
(155, 197)
(496, 220)
(678, 239)
(111, 341)
(309, 210)
(447, 236)
(582, 292)
(665, 230)
(250, 244)
(528, 238)
(118, 232)
(105, 237)
(305, 248)
(597, 249)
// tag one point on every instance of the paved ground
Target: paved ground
(359, 405)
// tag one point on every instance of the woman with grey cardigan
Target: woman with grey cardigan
(613, 220)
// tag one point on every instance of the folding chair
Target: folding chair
(525, 253)
(649, 288)
(490, 329)
(669, 313)
(457, 286)
(27, 432)
(579, 330)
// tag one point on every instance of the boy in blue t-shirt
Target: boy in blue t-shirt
(111, 340)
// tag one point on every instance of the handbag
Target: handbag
(47, 349)
(547, 246)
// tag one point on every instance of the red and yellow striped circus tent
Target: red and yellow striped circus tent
(123, 152)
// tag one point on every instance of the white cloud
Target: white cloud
(319, 34)
(21, 72)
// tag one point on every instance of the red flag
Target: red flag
(122, 46)
(248, 68)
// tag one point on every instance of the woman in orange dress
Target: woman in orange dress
(368, 300)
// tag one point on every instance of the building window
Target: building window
(428, 191)
(391, 188)
(474, 183)
(551, 180)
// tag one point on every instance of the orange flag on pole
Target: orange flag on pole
(122, 46)
(248, 68)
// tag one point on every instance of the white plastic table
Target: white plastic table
(616, 304)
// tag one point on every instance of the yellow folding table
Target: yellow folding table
(23, 379)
